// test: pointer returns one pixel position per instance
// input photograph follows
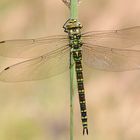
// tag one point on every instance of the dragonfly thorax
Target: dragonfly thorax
(73, 28)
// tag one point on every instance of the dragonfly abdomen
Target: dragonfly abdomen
(81, 90)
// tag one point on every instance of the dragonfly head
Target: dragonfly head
(72, 26)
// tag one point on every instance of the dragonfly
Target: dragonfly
(109, 50)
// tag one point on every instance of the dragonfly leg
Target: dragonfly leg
(71, 65)
(64, 26)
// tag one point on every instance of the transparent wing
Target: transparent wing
(124, 38)
(38, 68)
(31, 48)
(111, 59)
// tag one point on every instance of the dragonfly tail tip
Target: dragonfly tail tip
(85, 130)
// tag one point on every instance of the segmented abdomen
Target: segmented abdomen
(79, 76)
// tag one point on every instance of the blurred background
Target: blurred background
(39, 110)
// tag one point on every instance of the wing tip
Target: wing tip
(7, 68)
(2, 41)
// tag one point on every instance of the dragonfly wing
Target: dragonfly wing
(124, 38)
(111, 59)
(38, 68)
(31, 48)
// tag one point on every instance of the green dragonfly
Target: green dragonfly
(109, 50)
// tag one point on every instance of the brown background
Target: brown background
(39, 110)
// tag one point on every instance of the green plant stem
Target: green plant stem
(73, 15)
(72, 69)
(74, 9)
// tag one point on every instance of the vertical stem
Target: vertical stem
(72, 69)
(74, 9)
(73, 15)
